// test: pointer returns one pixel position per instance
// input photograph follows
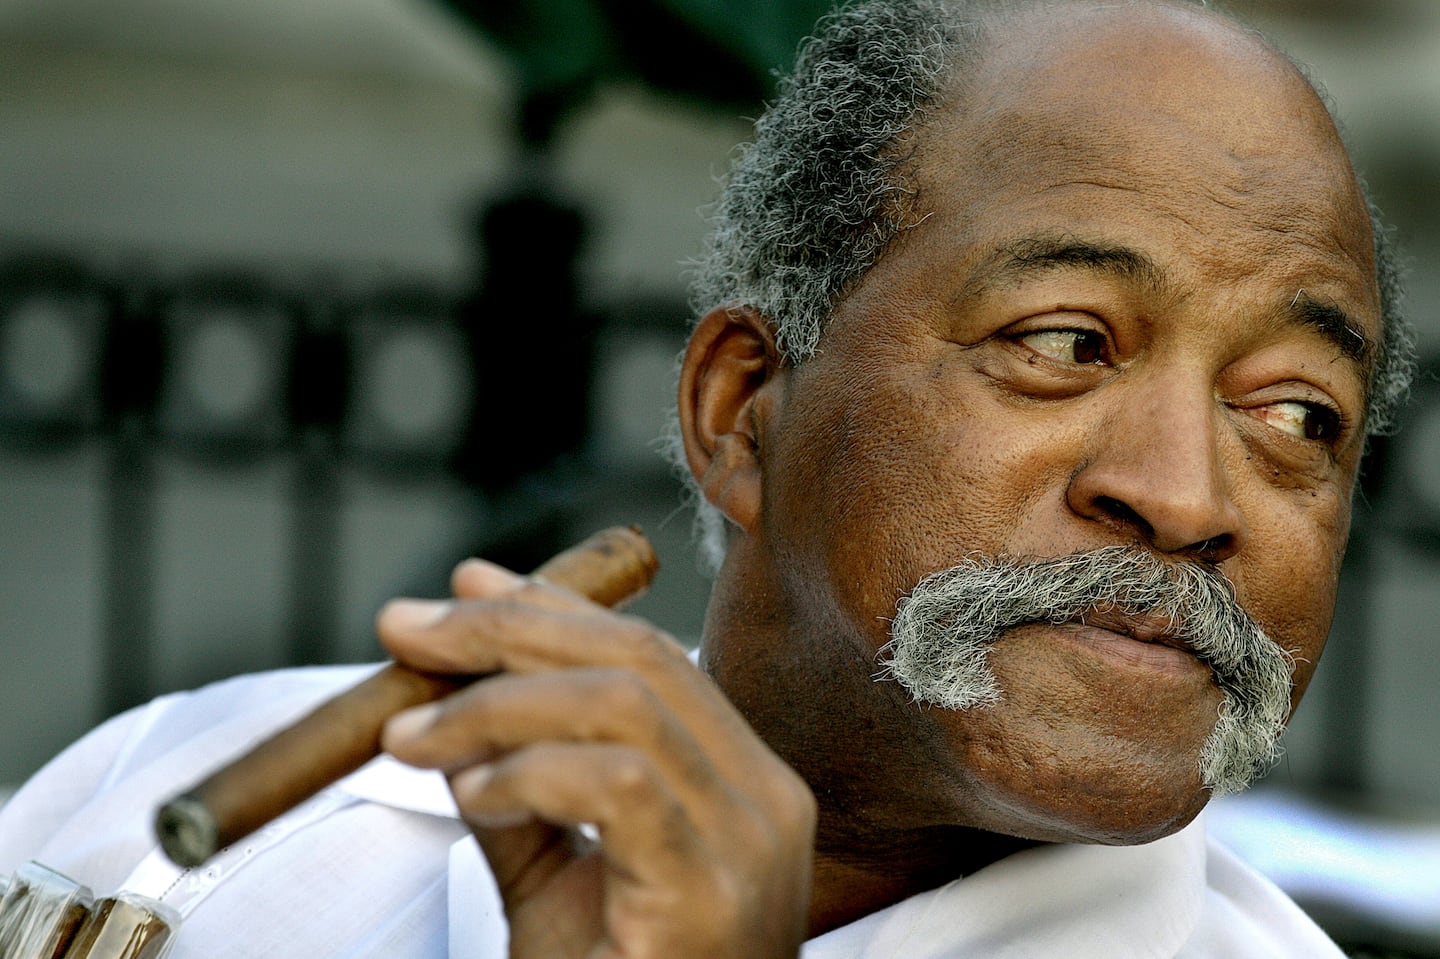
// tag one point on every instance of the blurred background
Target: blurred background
(301, 301)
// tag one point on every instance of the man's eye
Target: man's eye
(1311, 421)
(1068, 346)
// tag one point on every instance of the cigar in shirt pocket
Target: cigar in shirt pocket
(343, 734)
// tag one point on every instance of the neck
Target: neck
(881, 771)
(857, 876)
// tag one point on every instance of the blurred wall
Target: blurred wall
(337, 149)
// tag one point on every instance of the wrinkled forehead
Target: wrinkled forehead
(1166, 98)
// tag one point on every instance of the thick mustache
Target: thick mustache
(1146, 595)
(943, 631)
(1124, 588)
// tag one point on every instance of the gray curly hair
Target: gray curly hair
(823, 189)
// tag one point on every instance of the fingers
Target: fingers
(618, 789)
(592, 717)
(480, 579)
(528, 628)
(670, 884)
(472, 579)
(503, 713)
(531, 754)
(469, 634)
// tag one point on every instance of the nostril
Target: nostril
(1214, 549)
(1125, 513)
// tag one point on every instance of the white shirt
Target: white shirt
(380, 866)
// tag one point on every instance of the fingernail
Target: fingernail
(467, 787)
(411, 614)
(494, 577)
(472, 780)
(412, 723)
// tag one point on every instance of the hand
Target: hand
(705, 837)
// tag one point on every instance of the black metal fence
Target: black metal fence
(493, 389)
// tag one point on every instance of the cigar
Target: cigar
(343, 734)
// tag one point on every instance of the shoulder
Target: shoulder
(254, 696)
(360, 872)
(229, 715)
(114, 774)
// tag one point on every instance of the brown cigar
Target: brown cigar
(344, 734)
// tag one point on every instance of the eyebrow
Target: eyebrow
(1044, 253)
(1335, 326)
(1038, 254)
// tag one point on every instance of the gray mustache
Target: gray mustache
(943, 630)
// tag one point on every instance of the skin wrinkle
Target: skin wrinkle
(1035, 253)
(932, 422)
(1095, 154)
(861, 504)
(1014, 260)
(1095, 183)
(917, 43)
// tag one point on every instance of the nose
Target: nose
(1155, 471)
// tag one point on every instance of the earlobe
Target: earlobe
(724, 406)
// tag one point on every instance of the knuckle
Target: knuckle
(624, 693)
(629, 773)
(798, 798)
(800, 819)
(726, 901)
(502, 608)
(791, 805)
(470, 711)
(631, 778)
(765, 835)
(647, 645)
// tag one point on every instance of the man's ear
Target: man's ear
(725, 407)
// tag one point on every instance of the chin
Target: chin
(1105, 810)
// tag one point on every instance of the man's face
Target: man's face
(1133, 314)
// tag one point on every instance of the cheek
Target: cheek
(1290, 586)
(898, 475)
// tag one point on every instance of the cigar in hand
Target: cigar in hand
(343, 734)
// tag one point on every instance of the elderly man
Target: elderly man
(1043, 342)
